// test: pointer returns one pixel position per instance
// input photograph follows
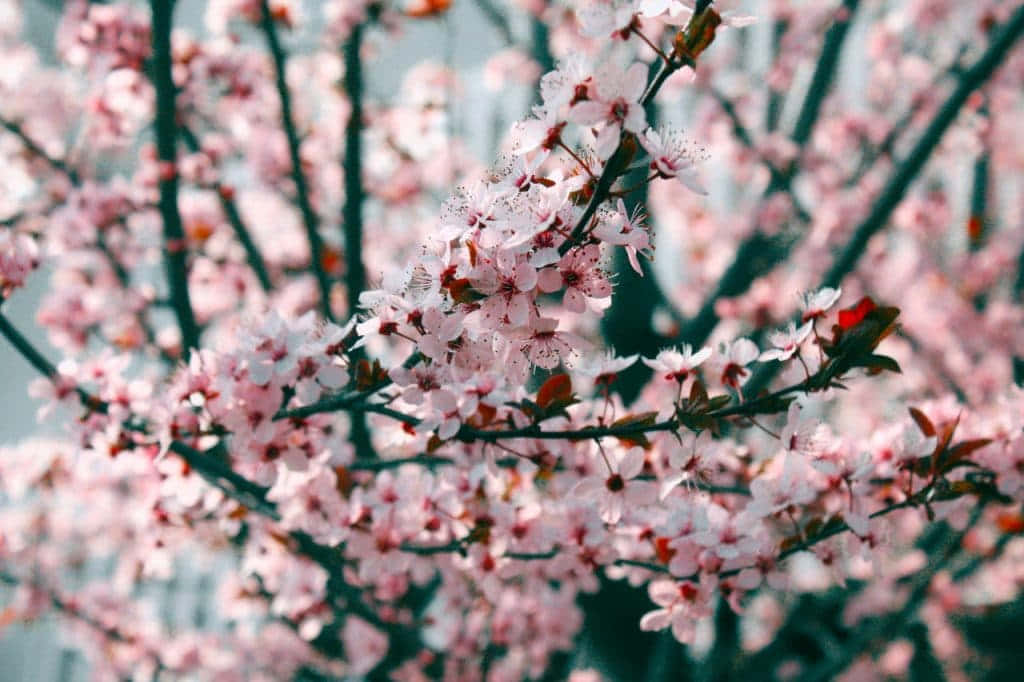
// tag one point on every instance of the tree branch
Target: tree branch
(230, 208)
(309, 217)
(37, 150)
(175, 252)
(759, 253)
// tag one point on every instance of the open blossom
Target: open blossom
(19, 256)
(614, 104)
(786, 342)
(312, 504)
(789, 488)
(727, 534)
(543, 130)
(817, 303)
(690, 460)
(607, 19)
(671, 157)
(509, 285)
(801, 432)
(736, 356)
(914, 445)
(579, 273)
(614, 484)
(622, 228)
(605, 367)
(681, 606)
(546, 347)
(677, 365)
(678, 12)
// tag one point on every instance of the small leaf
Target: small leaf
(557, 389)
(641, 419)
(923, 422)
(946, 435)
(718, 402)
(880, 363)
(955, 455)
(698, 394)
(852, 316)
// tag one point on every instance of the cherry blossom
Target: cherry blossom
(344, 357)
(619, 489)
(786, 342)
(614, 103)
(678, 365)
(670, 158)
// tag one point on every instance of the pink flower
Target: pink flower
(542, 131)
(773, 494)
(365, 645)
(689, 459)
(546, 347)
(737, 355)
(624, 229)
(786, 342)
(508, 285)
(579, 273)
(677, 365)
(914, 445)
(817, 303)
(671, 157)
(604, 368)
(614, 104)
(801, 433)
(607, 20)
(311, 503)
(727, 534)
(682, 605)
(619, 488)
(19, 256)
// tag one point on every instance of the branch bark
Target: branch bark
(310, 220)
(175, 251)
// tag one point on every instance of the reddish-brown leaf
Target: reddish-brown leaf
(557, 389)
(850, 317)
(963, 450)
(923, 422)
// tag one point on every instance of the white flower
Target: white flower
(736, 356)
(603, 368)
(786, 342)
(672, 157)
(801, 433)
(619, 488)
(816, 303)
(676, 365)
(915, 445)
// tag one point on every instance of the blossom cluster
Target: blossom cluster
(415, 454)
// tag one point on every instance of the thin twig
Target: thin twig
(309, 217)
(231, 212)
